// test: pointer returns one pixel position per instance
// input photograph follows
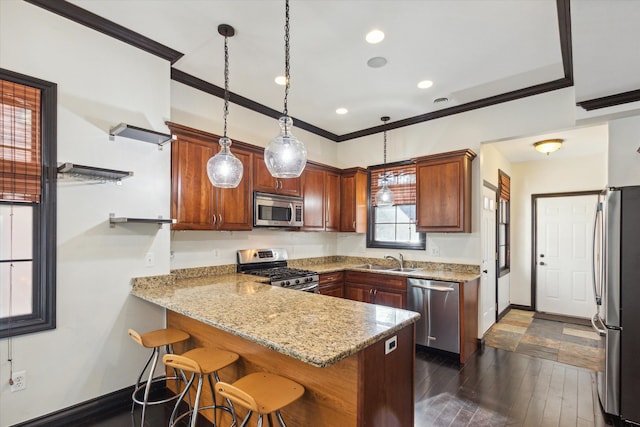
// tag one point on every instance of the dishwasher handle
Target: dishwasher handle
(432, 287)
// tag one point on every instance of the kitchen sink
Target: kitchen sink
(372, 267)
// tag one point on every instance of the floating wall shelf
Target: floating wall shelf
(92, 173)
(146, 135)
(113, 220)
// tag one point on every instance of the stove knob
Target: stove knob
(286, 284)
(297, 281)
(309, 279)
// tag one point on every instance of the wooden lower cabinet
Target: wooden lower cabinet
(369, 388)
(376, 288)
(332, 284)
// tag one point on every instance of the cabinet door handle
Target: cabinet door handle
(220, 216)
(354, 224)
(214, 219)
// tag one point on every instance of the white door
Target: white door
(564, 282)
(488, 277)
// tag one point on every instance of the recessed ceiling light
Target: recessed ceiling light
(377, 62)
(342, 110)
(281, 80)
(425, 84)
(374, 36)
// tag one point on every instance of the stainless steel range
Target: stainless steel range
(272, 263)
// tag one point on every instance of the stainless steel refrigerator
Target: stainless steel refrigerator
(616, 270)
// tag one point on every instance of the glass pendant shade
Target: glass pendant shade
(384, 196)
(224, 169)
(285, 155)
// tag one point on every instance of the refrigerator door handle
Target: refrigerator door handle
(597, 254)
(594, 320)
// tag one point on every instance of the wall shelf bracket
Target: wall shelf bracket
(113, 220)
(133, 132)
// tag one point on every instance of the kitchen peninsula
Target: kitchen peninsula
(355, 360)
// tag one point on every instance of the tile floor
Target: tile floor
(521, 332)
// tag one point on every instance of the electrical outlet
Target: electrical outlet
(19, 381)
(149, 259)
(435, 251)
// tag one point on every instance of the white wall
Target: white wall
(624, 159)
(194, 108)
(466, 130)
(544, 176)
(101, 82)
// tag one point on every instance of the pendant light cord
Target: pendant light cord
(226, 83)
(286, 57)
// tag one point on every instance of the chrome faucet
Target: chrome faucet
(400, 260)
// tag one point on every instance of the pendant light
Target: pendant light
(384, 196)
(224, 169)
(285, 155)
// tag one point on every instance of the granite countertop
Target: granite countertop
(419, 273)
(312, 328)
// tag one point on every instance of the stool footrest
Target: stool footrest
(154, 402)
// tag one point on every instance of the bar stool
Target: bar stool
(204, 362)
(263, 393)
(155, 340)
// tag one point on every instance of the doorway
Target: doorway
(561, 264)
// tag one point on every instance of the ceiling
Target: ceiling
(471, 50)
(578, 142)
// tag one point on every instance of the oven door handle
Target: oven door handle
(310, 287)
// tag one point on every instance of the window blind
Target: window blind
(504, 186)
(20, 162)
(402, 183)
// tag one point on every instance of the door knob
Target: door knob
(485, 271)
(541, 255)
(542, 263)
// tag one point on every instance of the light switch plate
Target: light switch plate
(391, 344)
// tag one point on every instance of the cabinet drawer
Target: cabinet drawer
(330, 278)
(377, 279)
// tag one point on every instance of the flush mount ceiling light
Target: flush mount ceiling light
(374, 36)
(224, 169)
(285, 155)
(341, 111)
(384, 196)
(548, 146)
(425, 84)
(377, 62)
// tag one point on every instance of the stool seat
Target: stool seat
(201, 362)
(266, 392)
(159, 338)
(263, 393)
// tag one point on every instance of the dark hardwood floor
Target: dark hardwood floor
(494, 388)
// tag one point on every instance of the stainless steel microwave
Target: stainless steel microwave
(276, 210)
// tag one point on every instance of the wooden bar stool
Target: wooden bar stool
(204, 362)
(155, 340)
(263, 393)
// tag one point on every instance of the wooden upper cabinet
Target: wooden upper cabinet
(235, 204)
(263, 181)
(321, 193)
(443, 188)
(195, 203)
(192, 195)
(332, 200)
(353, 200)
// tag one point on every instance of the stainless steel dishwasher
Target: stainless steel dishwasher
(439, 305)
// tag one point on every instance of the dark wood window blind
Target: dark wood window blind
(20, 162)
(402, 183)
